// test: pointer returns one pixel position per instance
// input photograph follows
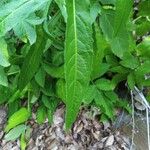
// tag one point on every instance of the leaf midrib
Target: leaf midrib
(76, 49)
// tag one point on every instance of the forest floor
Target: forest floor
(87, 133)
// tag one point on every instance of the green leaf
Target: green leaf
(146, 82)
(120, 42)
(143, 27)
(99, 46)
(106, 2)
(123, 10)
(12, 108)
(48, 90)
(4, 94)
(103, 69)
(23, 143)
(56, 72)
(131, 81)
(14, 69)
(143, 69)
(41, 114)
(144, 7)
(3, 53)
(17, 94)
(14, 12)
(40, 77)
(26, 28)
(50, 114)
(112, 60)
(104, 84)
(78, 56)
(114, 26)
(3, 77)
(3, 61)
(32, 60)
(94, 10)
(104, 104)
(61, 89)
(112, 96)
(15, 133)
(89, 95)
(100, 70)
(46, 101)
(120, 69)
(118, 78)
(51, 104)
(62, 6)
(17, 118)
(106, 23)
(122, 103)
(33, 99)
(143, 48)
(139, 79)
(130, 61)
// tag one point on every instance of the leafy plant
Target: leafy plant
(74, 51)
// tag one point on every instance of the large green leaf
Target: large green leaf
(15, 132)
(17, 118)
(14, 12)
(78, 56)
(120, 41)
(33, 59)
(106, 23)
(26, 28)
(114, 26)
(123, 10)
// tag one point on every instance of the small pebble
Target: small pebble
(109, 141)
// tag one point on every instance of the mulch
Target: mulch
(87, 133)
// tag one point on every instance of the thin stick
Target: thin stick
(142, 97)
(133, 121)
(148, 132)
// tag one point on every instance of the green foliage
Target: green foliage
(32, 60)
(78, 58)
(73, 51)
(41, 114)
(17, 118)
(23, 143)
(15, 133)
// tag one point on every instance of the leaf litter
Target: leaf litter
(87, 133)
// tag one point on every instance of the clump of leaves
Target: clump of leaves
(72, 51)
